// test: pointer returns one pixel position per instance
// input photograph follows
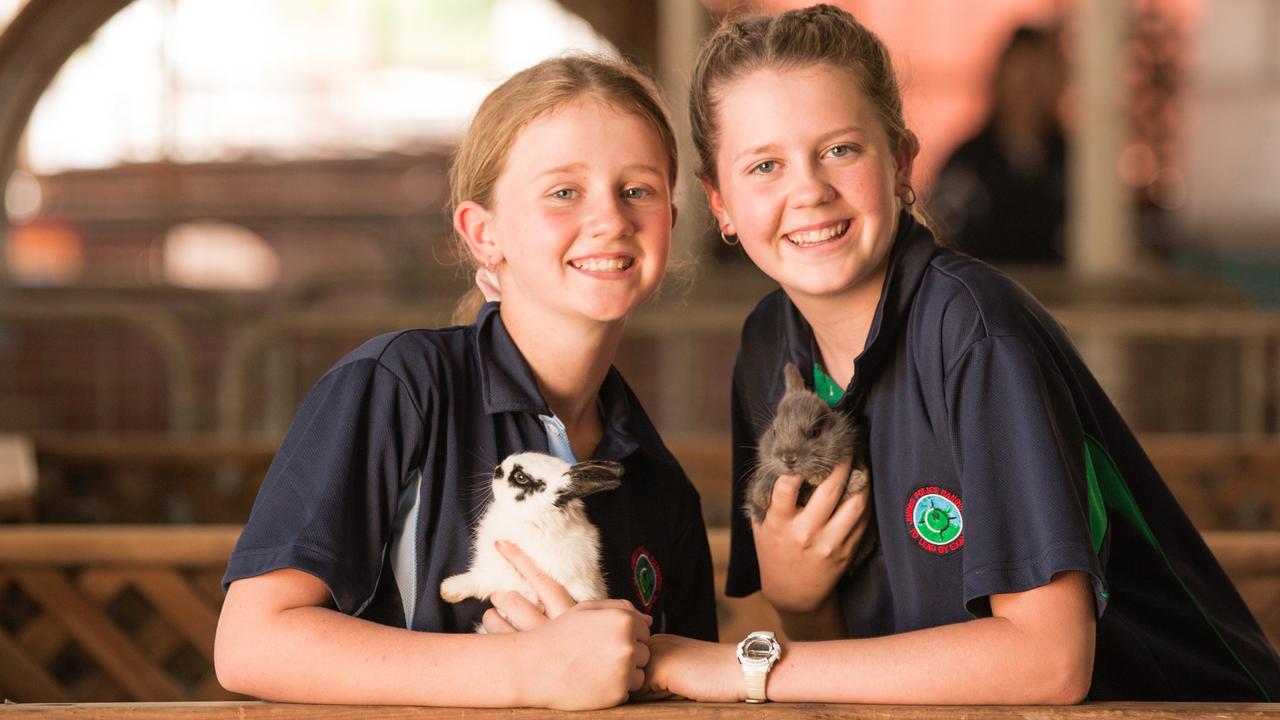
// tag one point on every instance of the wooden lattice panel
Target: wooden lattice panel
(110, 613)
(127, 613)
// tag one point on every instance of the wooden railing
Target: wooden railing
(109, 613)
(127, 613)
(665, 710)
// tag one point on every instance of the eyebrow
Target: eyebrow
(572, 167)
(562, 169)
(645, 168)
(773, 147)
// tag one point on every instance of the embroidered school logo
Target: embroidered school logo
(934, 519)
(647, 576)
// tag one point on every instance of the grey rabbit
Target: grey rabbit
(806, 438)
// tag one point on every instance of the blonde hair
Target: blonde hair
(527, 96)
(817, 35)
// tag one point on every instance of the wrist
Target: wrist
(790, 602)
(756, 655)
(522, 674)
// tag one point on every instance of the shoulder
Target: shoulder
(763, 347)
(418, 359)
(962, 301)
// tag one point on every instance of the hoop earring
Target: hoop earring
(726, 239)
(909, 197)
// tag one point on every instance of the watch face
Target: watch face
(757, 649)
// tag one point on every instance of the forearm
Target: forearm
(988, 661)
(314, 654)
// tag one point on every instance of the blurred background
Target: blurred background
(209, 202)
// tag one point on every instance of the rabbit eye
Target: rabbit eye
(520, 478)
(818, 426)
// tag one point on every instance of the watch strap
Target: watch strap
(755, 685)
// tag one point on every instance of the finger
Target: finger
(642, 631)
(824, 499)
(641, 655)
(552, 594)
(848, 517)
(518, 610)
(494, 624)
(635, 680)
(610, 604)
(786, 492)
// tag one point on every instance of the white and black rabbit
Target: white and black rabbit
(537, 504)
(805, 438)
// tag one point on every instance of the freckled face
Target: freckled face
(807, 179)
(582, 212)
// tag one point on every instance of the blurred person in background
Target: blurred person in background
(1000, 196)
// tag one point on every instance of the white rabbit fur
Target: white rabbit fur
(537, 505)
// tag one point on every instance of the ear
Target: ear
(794, 380)
(905, 158)
(474, 224)
(590, 477)
(716, 202)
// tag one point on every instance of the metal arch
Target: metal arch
(33, 48)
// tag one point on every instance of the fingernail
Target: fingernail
(502, 544)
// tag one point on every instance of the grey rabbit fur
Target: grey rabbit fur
(806, 438)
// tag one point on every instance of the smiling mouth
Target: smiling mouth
(613, 264)
(809, 238)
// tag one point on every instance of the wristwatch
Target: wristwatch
(757, 653)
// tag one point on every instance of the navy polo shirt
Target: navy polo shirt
(386, 470)
(996, 462)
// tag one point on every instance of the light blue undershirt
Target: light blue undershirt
(557, 438)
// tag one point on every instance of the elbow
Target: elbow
(1068, 678)
(229, 666)
(1072, 689)
(233, 660)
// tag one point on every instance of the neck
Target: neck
(569, 360)
(841, 323)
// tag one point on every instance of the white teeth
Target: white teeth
(603, 264)
(813, 237)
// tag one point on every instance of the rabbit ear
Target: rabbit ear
(590, 477)
(794, 380)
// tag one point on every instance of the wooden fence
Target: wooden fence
(128, 613)
(110, 613)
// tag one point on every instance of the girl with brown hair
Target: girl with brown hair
(1028, 552)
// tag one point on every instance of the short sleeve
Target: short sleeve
(743, 577)
(328, 503)
(1019, 447)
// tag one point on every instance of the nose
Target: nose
(790, 458)
(609, 218)
(810, 187)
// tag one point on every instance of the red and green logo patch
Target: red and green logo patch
(934, 519)
(647, 576)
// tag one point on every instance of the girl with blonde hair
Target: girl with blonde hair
(561, 188)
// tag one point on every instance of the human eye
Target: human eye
(637, 193)
(842, 150)
(564, 194)
(765, 167)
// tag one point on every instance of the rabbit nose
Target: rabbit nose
(789, 458)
